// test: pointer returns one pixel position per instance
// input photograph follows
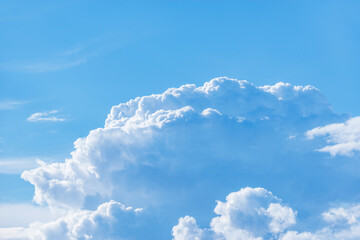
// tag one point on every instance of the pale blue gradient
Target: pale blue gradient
(83, 57)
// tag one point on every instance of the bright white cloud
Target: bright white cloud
(50, 116)
(343, 138)
(255, 214)
(251, 213)
(187, 229)
(166, 132)
(110, 220)
(175, 153)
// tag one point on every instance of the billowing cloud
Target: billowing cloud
(343, 138)
(251, 213)
(106, 222)
(255, 214)
(49, 116)
(183, 129)
(174, 153)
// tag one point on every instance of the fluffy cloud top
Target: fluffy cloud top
(343, 138)
(251, 213)
(255, 214)
(175, 153)
(228, 96)
(110, 220)
(166, 132)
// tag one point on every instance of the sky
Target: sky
(68, 72)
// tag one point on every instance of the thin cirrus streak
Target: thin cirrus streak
(72, 57)
(10, 104)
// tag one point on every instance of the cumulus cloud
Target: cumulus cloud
(111, 220)
(343, 138)
(187, 229)
(49, 116)
(184, 129)
(251, 213)
(175, 153)
(343, 223)
(255, 214)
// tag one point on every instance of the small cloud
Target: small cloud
(49, 116)
(342, 138)
(9, 104)
(292, 136)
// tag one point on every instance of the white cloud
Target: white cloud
(187, 126)
(255, 214)
(14, 233)
(343, 138)
(175, 153)
(187, 229)
(111, 220)
(49, 116)
(343, 223)
(345, 215)
(251, 213)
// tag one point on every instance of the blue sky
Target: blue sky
(70, 55)
(69, 62)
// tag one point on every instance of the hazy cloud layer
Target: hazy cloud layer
(17, 165)
(29, 213)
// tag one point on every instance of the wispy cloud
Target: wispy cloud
(10, 104)
(63, 59)
(17, 165)
(29, 213)
(48, 66)
(50, 116)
